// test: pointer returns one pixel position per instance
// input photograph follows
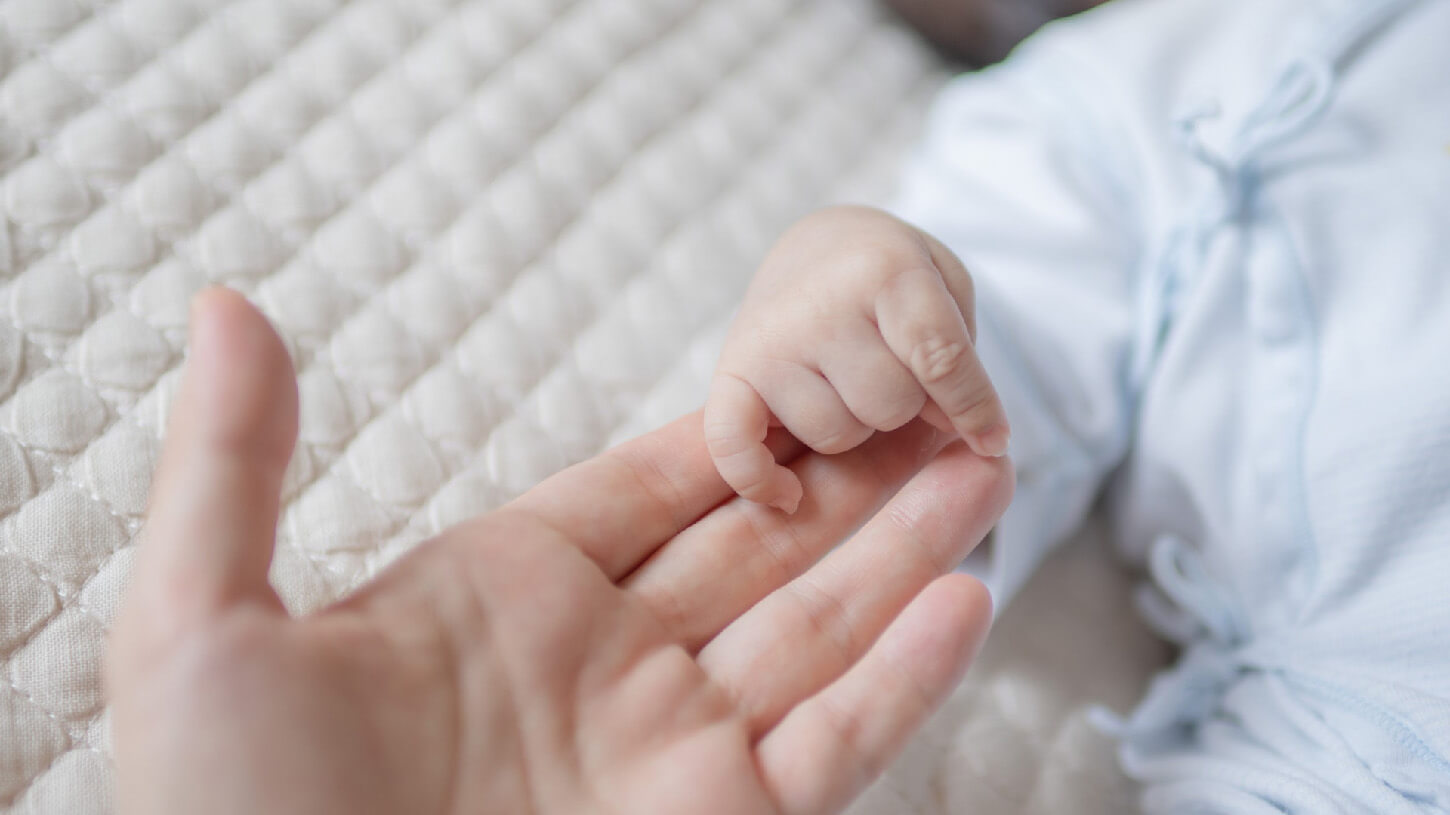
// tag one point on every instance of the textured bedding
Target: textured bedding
(497, 236)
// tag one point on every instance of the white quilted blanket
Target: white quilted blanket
(497, 235)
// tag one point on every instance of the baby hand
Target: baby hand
(856, 322)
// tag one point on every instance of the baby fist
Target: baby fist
(855, 323)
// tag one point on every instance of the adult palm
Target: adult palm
(624, 638)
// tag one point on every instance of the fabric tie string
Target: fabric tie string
(1294, 102)
(1189, 607)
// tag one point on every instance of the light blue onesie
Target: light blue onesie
(1211, 240)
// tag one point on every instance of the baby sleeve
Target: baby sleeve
(1013, 178)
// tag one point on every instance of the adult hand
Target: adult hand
(625, 638)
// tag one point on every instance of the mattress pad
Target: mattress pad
(497, 236)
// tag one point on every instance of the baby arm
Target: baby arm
(856, 322)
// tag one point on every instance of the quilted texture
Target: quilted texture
(496, 235)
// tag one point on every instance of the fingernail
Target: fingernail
(990, 443)
(788, 504)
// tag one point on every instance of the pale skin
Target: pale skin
(856, 324)
(628, 637)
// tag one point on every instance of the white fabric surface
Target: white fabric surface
(496, 235)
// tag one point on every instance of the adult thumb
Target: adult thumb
(211, 525)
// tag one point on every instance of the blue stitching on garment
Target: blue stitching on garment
(1299, 474)
(1401, 731)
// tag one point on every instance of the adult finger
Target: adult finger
(834, 744)
(623, 504)
(921, 323)
(211, 524)
(803, 636)
(733, 557)
(736, 422)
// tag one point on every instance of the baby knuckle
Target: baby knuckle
(894, 269)
(896, 416)
(974, 397)
(901, 276)
(828, 443)
(935, 360)
(726, 444)
(831, 443)
(960, 279)
(753, 485)
(891, 413)
(884, 261)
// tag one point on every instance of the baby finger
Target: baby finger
(922, 325)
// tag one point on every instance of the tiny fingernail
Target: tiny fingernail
(990, 443)
(788, 504)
